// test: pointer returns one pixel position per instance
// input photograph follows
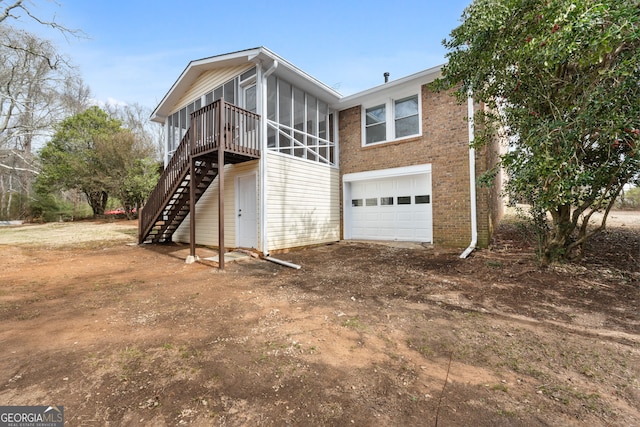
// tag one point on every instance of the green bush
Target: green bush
(50, 208)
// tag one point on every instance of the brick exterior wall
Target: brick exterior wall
(445, 145)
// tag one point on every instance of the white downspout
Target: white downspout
(472, 182)
(263, 159)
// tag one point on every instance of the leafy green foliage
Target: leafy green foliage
(93, 153)
(561, 85)
(133, 172)
(48, 207)
(139, 181)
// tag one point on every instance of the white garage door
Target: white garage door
(391, 208)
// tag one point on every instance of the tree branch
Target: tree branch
(7, 11)
(15, 168)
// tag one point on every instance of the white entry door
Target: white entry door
(246, 217)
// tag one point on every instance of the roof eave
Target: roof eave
(255, 55)
(189, 74)
(424, 77)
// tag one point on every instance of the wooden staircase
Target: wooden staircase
(195, 164)
(177, 207)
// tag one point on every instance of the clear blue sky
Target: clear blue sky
(136, 49)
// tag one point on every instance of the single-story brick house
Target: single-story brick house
(303, 165)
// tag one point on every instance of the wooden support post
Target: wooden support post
(221, 148)
(192, 192)
(192, 208)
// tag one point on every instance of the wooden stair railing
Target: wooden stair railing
(168, 184)
(168, 204)
(177, 206)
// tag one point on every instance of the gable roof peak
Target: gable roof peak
(256, 55)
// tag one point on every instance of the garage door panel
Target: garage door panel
(405, 232)
(368, 214)
(421, 223)
(384, 234)
(388, 209)
(406, 217)
(387, 216)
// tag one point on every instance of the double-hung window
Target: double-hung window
(376, 124)
(406, 115)
(394, 119)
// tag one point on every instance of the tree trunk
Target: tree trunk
(9, 197)
(97, 201)
(558, 238)
(75, 204)
(2, 195)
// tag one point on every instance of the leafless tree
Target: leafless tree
(18, 9)
(135, 117)
(37, 89)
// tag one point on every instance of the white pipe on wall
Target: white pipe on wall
(263, 158)
(472, 182)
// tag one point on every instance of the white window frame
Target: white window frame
(246, 84)
(301, 144)
(390, 115)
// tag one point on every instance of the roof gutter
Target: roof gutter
(271, 69)
(472, 182)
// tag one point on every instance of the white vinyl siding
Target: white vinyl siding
(207, 210)
(208, 81)
(223, 82)
(303, 202)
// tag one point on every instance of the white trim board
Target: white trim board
(387, 173)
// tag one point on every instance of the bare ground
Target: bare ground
(363, 334)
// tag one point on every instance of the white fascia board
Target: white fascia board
(387, 173)
(294, 75)
(386, 90)
(190, 74)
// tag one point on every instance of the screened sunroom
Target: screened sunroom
(258, 136)
(299, 123)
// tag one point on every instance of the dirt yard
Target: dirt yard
(363, 334)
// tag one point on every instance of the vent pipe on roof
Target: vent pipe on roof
(386, 77)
